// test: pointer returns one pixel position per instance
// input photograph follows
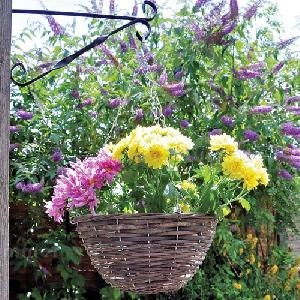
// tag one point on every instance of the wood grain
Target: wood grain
(5, 42)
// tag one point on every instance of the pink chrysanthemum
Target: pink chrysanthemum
(78, 186)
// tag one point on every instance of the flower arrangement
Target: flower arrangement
(153, 176)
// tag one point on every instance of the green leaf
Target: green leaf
(245, 204)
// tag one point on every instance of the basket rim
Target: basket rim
(92, 217)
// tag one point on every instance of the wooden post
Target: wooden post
(5, 43)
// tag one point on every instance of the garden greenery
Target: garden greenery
(217, 80)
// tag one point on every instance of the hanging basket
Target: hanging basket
(147, 253)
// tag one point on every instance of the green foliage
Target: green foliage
(238, 266)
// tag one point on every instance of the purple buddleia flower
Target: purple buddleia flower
(14, 129)
(178, 75)
(258, 67)
(135, 9)
(290, 129)
(24, 115)
(149, 69)
(227, 28)
(214, 16)
(295, 164)
(285, 175)
(227, 121)
(75, 94)
(247, 74)
(294, 109)
(261, 109)
(285, 43)
(215, 131)
(175, 89)
(292, 151)
(184, 123)
(109, 55)
(232, 14)
(200, 3)
(168, 110)
(251, 10)
(198, 32)
(32, 188)
(293, 99)
(163, 78)
(278, 67)
(93, 114)
(251, 135)
(280, 156)
(20, 185)
(112, 7)
(85, 103)
(103, 92)
(57, 155)
(139, 115)
(56, 28)
(61, 171)
(132, 42)
(123, 47)
(14, 146)
(116, 102)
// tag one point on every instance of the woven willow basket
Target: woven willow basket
(147, 253)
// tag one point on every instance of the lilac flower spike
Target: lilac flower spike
(261, 109)
(163, 79)
(24, 115)
(251, 135)
(139, 115)
(116, 102)
(123, 47)
(290, 129)
(56, 155)
(251, 10)
(284, 174)
(278, 67)
(200, 3)
(56, 28)
(198, 32)
(175, 89)
(293, 99)
(14, 129)
(285, 43)
(135, 9)
(75, 94)
(112, 7)
(184, 123)
(30, 188)
(168, 110)
(227, 121)
(215, 131)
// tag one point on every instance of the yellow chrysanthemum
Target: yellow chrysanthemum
(223, 141)
(274, 269)
(156, 156)
(184, 207)
(118, 149)
(237, 285)
(188, 186)
(293, 272)
(251, 259)
(267, 297)
(241, 166)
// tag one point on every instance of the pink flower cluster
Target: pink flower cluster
(77, 187)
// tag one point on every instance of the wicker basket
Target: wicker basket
(147, 253)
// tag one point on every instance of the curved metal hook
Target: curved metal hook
(101, 39)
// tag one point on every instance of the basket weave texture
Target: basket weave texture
(147, 253)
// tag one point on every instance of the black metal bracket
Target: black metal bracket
(98, 41)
